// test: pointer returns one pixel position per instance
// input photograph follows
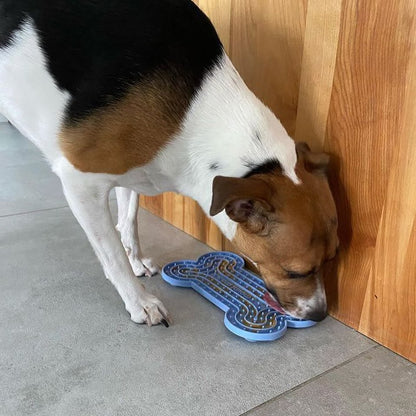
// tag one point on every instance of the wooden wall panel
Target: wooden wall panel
(266, 48)
(391, 288)
(219, 11)
(365, 121)
(341, 75)
(317, 71)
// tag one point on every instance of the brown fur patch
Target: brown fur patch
(129, 132)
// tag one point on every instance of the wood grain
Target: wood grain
(154, 204)
(373, 192)
(198, 225)
(219, 11)
(389, 312)
(173, 209)
(317, 72)
(266, 48)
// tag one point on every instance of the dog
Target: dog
(139, 95)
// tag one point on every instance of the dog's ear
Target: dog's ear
(313, 162)
(242, 198)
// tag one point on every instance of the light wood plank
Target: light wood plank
(266, 47)
(172, 205)
(389, 312)
(219, 11)
(199, 226)
(323, 21)
(364, 125)
(154, 204)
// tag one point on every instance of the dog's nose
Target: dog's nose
(316, 316)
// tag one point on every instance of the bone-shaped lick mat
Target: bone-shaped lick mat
(221, 278)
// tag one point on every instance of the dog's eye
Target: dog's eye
(296, 275)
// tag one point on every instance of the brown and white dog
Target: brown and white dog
(140, 95)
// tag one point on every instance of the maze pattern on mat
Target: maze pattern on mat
(221, 278)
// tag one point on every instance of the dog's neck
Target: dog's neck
(226, 132)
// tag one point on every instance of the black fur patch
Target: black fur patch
(266, 167)
(97, 49)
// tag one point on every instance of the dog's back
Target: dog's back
(100, 54)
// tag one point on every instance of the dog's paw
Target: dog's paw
(143, 267)
(140, 266)
(150, 311)
(139, 269)
(151, 267)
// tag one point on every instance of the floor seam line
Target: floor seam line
(40, 210)
(33, 211)
(306, 382)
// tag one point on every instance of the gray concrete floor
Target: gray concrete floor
(68, 347)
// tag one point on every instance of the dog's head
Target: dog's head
(288, 230)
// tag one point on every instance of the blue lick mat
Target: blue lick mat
(222, 279)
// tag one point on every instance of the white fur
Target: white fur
(128, 206)
(219, 128)
(316, 302)
(29, 97)
(89, 203)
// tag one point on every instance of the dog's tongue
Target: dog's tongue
(272, 302)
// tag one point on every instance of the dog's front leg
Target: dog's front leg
(128, 206)
(87, 195)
